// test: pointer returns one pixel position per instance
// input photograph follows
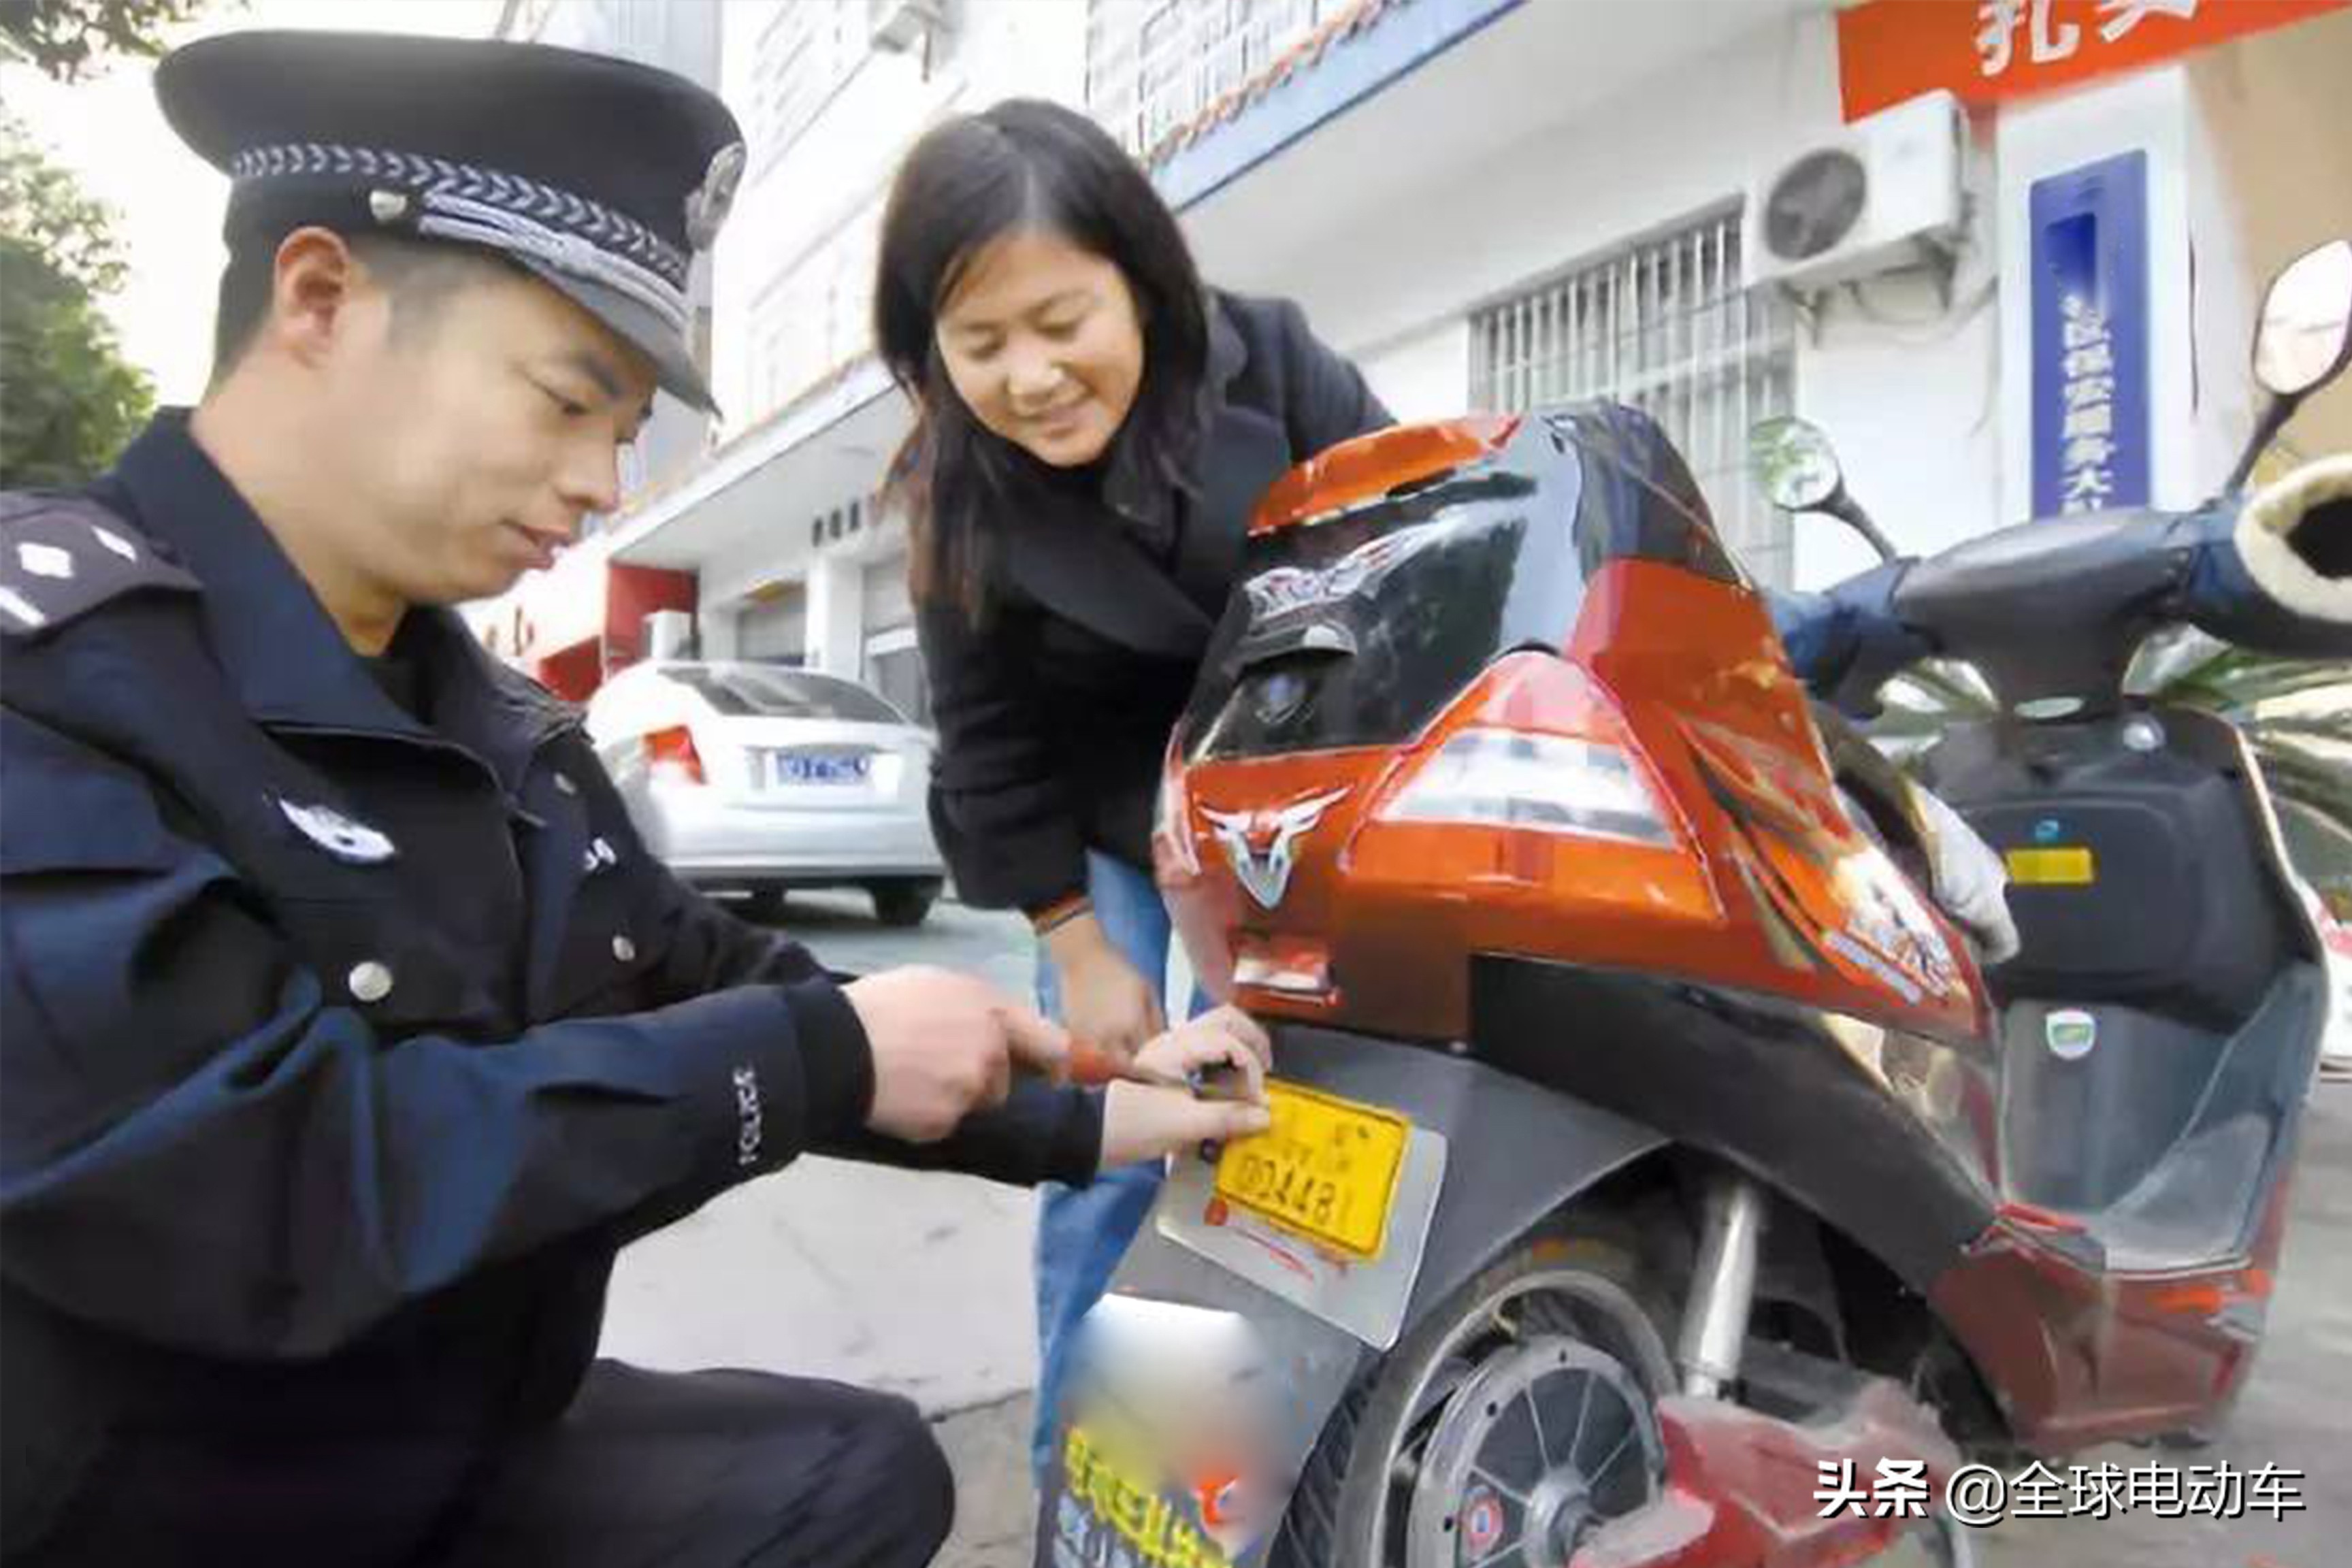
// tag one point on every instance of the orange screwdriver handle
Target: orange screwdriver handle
(1092, 1065)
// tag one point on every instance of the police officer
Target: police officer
(346, 1029)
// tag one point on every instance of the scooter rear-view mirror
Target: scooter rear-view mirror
(2301, 343)
(1793, 462)
(2304, 337)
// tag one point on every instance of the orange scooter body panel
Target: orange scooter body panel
(1768, 886)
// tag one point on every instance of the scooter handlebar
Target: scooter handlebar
(2057, 608)
(2274, 574)
(1847, 641)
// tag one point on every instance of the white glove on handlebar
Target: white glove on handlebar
(2269, 518)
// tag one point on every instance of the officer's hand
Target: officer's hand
(944, 1046)
(1106, 1000)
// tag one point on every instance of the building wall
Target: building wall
(633, 593)
(556, 622)
(1628, 166)
(2249, 165)
(795, 264)
(827, 119)
(1926, 393)
(1424, 373)
(1928, 399)
(683, 38)
(2270, 177)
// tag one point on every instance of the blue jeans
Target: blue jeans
(1083, 1232)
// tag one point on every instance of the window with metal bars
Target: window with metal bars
(1664, 326)
(1155, 66)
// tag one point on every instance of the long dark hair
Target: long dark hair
(1023, 164)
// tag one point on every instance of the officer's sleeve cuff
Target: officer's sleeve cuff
(771, 1071)
(836, 1062)
(1076, 1154)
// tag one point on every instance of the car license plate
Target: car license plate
(817, 767)
(1326, 1170)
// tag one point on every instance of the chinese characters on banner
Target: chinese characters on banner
(1999, 23)
(2090, 338)
(1984, 51)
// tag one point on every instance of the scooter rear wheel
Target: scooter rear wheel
(1520, 1415)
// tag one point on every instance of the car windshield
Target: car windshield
(750, 690)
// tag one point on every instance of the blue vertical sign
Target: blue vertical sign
(2090, 337)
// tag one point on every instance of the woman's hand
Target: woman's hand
(1223, 1038)
(1148, 1120)
(1106, 1002)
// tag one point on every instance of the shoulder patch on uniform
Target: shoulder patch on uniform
(62, 556)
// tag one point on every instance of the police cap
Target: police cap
(600, 175)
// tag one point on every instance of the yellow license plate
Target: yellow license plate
(1326, 1170)
(2068, 867)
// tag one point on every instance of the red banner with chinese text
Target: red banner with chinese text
(1890, 50)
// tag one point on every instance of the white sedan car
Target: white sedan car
(755, 778)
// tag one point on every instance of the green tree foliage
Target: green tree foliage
(69, 401)
(65, 37)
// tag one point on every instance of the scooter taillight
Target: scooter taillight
(1539, 747)
(1546, 784)
(1534, 787)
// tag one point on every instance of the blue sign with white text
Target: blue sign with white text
(2090, 337)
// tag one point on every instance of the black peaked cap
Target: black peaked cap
(602, 176)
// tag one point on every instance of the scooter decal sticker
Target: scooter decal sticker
(2071, 1032)
(1261, 845)
(1855, 909)
(1285, 589)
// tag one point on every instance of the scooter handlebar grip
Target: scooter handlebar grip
(1846, 642)
(2275, 573)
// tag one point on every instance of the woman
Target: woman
(1093, 429)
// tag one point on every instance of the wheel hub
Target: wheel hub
(1544, 1439)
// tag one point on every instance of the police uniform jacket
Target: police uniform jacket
(343, 1039)
(1054, 711)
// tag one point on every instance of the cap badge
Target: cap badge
(708, 203)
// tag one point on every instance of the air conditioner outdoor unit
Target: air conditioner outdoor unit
(902, 25)
(1885, 193)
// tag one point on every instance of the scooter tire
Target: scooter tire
(1336, 1516)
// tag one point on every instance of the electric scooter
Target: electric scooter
(1649, 1142)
